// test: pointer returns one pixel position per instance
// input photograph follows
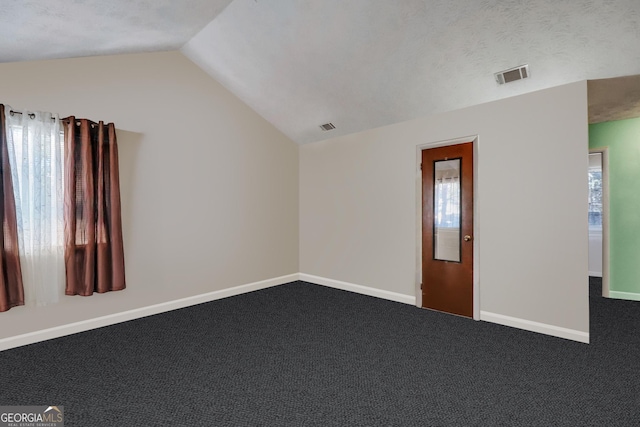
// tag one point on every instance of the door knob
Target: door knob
(467, 238)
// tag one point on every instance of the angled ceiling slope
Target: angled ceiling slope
(367, 63)
(358, 64)
(46, 29)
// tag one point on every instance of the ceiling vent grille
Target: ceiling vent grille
(327, 126)
(512, 74)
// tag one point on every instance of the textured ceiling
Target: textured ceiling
(359, 64)
(44, 29)
(614, 99)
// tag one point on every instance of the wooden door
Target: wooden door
(447, 229)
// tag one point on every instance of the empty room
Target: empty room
(305, 212)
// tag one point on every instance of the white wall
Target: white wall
(209, 188)
(358, 207)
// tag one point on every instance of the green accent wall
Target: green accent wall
(623, 141)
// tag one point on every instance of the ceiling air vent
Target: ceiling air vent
(512, 74)
(327, 126)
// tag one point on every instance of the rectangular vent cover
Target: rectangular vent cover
(512, 74)
(327, 126)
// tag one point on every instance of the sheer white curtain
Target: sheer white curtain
(35, 150)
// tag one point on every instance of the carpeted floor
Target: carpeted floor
(306, 355)
(595, 286)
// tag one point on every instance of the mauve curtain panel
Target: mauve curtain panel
(94, 255)
(11, 290)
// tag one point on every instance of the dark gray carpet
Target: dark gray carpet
(595, 286)
(302, 355)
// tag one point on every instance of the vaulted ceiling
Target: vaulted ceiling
(45, 29)
(358, 64)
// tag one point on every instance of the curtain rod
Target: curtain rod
(33, 116)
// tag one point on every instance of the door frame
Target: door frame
(605, 218)
(476, 229)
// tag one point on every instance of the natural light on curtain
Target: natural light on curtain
(35, 145)
(447, 194)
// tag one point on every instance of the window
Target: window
(447, 193)
(595, 191)
(35, 144)
(43, 230)
(23, 158)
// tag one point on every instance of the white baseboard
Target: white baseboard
(112, 319)
(529, 325)
(359, 289)
(98, 322)
(631, 296)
